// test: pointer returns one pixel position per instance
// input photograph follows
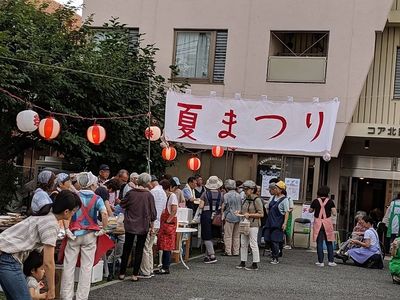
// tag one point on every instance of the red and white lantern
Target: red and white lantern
(96, 134)
(152, 133)
(28, 120)
(49, 128)
(169, 153)
(194, 163)
(217, 151)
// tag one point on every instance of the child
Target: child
(34, 272)
(394, 265)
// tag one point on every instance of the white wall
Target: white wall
(352, 25)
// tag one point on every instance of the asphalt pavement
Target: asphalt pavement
(296, 277)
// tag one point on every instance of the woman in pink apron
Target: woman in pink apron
(323, 208)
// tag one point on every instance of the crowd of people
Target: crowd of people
(76, 208)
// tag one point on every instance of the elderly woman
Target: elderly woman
(168, 224)
(232, 203)
(210, 203)
(140, 213)
(278, 215)
(358, 233)
(368, 253)
(252, 210)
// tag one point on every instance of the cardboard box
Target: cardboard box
(97, 272)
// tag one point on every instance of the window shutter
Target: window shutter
(396, 94)
(133, 38)
(220, 56)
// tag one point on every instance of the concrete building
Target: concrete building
(313, 48)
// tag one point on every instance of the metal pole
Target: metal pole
(149, 124)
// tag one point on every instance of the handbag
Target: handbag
(244, 226)
(217, 220)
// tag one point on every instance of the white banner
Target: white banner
(251, 124)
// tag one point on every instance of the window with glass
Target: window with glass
(200, 55)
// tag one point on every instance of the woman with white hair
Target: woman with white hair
(232, 203)
(140, 214)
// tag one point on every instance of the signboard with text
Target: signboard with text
(251, 124)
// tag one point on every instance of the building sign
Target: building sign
(251, 124)
(383, 131)
(374, 130)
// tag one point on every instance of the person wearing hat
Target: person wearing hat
(41, 201)
(278, 214)
(252, 210)
(210, 203)
(104, 173)
(232, 203)
(179, 194)
(84, 241)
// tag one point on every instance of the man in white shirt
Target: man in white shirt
(160, 200)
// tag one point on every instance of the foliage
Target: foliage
(29, 33)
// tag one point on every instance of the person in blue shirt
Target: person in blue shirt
(86, 230)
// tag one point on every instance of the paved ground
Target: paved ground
(295, 278)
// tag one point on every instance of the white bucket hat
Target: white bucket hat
(214, 183)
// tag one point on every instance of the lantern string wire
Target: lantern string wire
(28, 103)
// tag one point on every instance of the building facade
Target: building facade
(303, 49)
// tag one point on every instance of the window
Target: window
(100, 35)
(396, 93)
(298, 56)
(200, 55)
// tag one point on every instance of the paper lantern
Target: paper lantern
(28, 120)
(169, 153)
(96, 134)
(152, 133)
(326, 157)
(49, 128)
(194, 163)
(217, 151)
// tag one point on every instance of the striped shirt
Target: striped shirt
(28, 235)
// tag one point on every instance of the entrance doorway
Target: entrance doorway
(357, 193)
(371, 196)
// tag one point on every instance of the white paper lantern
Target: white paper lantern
(28, 120)
(152, 133)
(327, 156)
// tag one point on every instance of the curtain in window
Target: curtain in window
(192, 54)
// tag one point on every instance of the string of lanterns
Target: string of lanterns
(49, 128)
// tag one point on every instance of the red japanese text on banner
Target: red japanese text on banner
(253, 125)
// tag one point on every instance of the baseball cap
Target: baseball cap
(281, 185)
(62, 178)
(250, 184)
(154, 178)
(44, 176)
(104, 167)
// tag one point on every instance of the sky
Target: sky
(74, 2)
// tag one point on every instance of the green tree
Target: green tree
(29, 33)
